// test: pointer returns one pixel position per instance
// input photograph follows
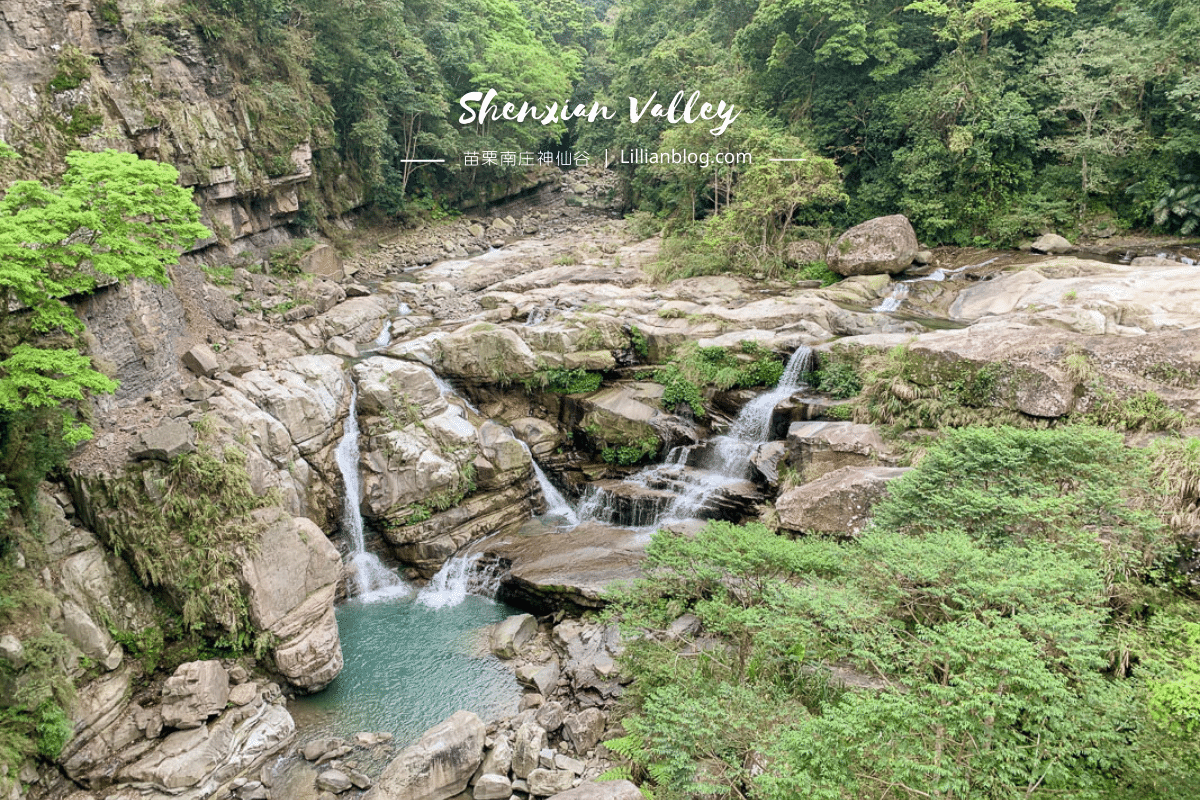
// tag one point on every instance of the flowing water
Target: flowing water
(673, 491)
(372, 581)
(409, 662)
(463, 575)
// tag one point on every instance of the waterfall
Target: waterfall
(372, 580)
(724, 461)
(385, 336)
(894, 300)
(447, 390)
(900, 289)
(556, 504)
(466, 573)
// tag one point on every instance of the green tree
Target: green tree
(1097, 77)
(113, 216)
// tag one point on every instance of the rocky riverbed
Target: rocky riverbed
(453, 336)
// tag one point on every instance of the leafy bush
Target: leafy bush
(692, 367)
(565, 381)
(981, 631)
(285, 260)
(187, 528)
(819, 271)
(839, 377)
(1178, 209)
(632, 453)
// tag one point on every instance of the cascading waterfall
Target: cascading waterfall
(900, 289)
(728, 458)
(894, 300)
(556, 504)
(372, 580)
(464, 574)
(385, 336)
(724, 461)
(449, 392)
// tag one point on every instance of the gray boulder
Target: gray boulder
(510, 636)
(877, 246)
(1051, 244)
(290, 585)
(584, 729)
(817, 448)
(492, 787)
(437, 767)
(202, 360)
(528, 743)
(334, 780)
(165, 442)
(196, 691)
(839, 503)
(546, 782)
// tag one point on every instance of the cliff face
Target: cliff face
(141, 76)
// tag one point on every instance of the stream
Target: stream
(413, 656)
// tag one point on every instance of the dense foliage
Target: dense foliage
(692, 369)
(1006, 629)
(982, 120)
(113, 216)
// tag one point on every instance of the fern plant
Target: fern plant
(1179, 207)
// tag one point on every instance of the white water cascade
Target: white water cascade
(556, 504)
(725, 460)
(465, 573)
(372, 580)
(900, 289)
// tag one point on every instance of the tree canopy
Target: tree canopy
(112, 216)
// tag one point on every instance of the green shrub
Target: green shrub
(819, 271)
(285, 260)
(1001, 596)
(692, 368)
(632, 453)
(564, 381)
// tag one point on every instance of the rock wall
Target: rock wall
(135, 76)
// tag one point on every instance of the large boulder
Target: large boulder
(541, 436)
(305, 394)
(839, 503)
(550, 571)
(883, 244)
(437, 767)
(290, 585)
(165, 441)
(399, 389)
(1052, 244)
(509, 636)
(817, 448)
(529, 742)
(203, 759)
(545, 782)
(196, 691)
(486, 353)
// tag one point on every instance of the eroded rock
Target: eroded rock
(438, 766)
(838, 503)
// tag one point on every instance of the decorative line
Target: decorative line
(787, 159)
(422, 161)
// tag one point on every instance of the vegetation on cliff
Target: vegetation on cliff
(113, 216)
